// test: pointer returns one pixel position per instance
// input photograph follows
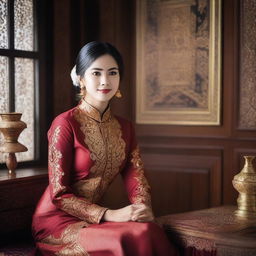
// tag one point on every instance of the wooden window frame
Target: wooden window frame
(42, 54)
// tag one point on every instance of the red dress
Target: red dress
(86, 152)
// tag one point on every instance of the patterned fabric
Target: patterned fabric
(68, 241)
(54, 158)
(142, 189)
(107, 150)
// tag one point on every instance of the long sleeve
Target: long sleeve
(60, 164)
(133, 174)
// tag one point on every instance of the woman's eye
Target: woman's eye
(96, 73)
(113, 73)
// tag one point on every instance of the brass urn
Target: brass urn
(245, 183)
(11, 126)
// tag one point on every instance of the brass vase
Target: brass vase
(11, 126)
(245, 183)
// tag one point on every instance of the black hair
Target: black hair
(93, 50)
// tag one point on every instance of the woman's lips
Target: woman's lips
(104, 90)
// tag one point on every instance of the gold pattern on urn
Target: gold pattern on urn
(11, 127)
(245, 183)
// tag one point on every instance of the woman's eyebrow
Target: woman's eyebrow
(100, 69)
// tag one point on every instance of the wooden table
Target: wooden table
(214, 231)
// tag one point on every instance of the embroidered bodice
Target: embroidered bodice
(103, 137)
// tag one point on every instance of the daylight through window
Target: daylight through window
(18, 67)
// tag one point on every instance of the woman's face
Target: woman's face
(101, 80)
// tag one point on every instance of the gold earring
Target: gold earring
(118, 94)
(82, 91)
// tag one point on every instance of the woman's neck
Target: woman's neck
(100, 106)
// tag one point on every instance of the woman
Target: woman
(88, 147)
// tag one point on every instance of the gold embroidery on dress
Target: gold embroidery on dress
(82, 209)
(86, 188)
(54, 158)
(69, 238)
(107, 150)
(143, 188)
(93, 113)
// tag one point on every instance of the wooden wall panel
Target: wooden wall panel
(182, 181)
(62, 89)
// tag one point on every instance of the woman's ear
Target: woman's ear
(81, 81)
(82, 88)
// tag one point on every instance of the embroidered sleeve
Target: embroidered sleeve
(135, 181)
(60, 162)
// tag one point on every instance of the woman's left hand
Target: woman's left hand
(142, 213)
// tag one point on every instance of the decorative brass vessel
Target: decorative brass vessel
(11, 126)
(245, 183)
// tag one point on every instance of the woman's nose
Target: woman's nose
(104, 80)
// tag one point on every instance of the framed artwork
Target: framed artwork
(178, 62)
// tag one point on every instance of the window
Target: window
(19, 60)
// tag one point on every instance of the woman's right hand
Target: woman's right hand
(133, 212)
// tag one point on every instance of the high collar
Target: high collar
(94, 113)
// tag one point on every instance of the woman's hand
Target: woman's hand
(133, 212)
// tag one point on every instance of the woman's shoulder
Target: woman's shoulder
(123, 121)
(65, 117)
(126, 125)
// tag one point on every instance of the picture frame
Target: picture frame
(178, 62)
